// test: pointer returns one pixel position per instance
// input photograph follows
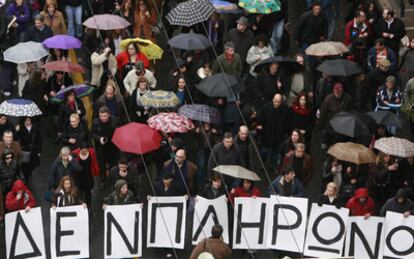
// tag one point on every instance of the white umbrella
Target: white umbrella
(395, 146)
(237, 172)
(19, 108)
(25, 52)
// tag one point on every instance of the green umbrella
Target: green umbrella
(260, 6)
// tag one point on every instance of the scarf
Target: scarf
(303, 111)
(72, 105)
(228, 57)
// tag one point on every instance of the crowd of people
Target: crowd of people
(267, 127)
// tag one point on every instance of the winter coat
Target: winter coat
(171, 191)
(65, 111)
(267, 85)
(393, 205)
(188, 171)
(275, 124)
(31, 141)
(14, 148)
(138, 112)
(33, 34)
(80, 134)
(62, 199)
(107, 151)
(207, 192)
(215, 246)
(1, 203)
(310, 28)
(143, 25)
(256, 54)
(221, 156)
(302, 118)
(120, 110)
(277, 184)
(382, 96)
(397, 28)
(241, 192)
(8, 175)
(97, 71)
(27, 200)
(407, 65)
(131, 80)
(35, 93)
(58, 170)
(357, 208)
(332, 106)
(131, 178)
(233, 68)
(372, 59)
(123, 58)
(94, 161)
(323, 199)
(56, 22)
(352, 31)
(307, 166)
(22, 14)
(242, 40)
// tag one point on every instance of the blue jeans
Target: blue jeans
(74, 15)
(277, 35)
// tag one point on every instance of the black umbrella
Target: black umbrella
(386, 118)
(339, 67)
(190, 12)
(287, 62)
(220, 85)
(189, 41)
(349, 124)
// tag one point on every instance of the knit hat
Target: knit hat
(338, 88)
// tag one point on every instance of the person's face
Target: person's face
(400, 200)
(27, 122)
(181, 83)
(123, 168)
(274, 68)
(167, 182)
(294, 137)
(243, 133)
(142, 6)
(362, 199)
(290, 176)
(216, 183)
(230, 51)
(241, 27)
(104, 117)
(38, 24)
(302, 101)
(19, 2)
(338, 94)
(71, 97)
(362, 18)
(57, 52)
(227, 142)
(207, 71)
(261, 44)
(330, 191)
(51, 8)
(131, 50)
(74, 122)
(142, 86)
(371, 7)
(300, 60)
(277, 101)
(385, 14)
(3, 120)
(8, 138)
(316, 10)
(59, 76)
(379, 46)
(9, 159)
(247, 184)
(127, 5)
(300, 152)
(65, 157)
(390, 85)
(109, 93)
(67, 184)
(84, 151)
(124, 189)
(179, 157)
(206, 126)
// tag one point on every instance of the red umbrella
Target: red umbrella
(136, 138)
(64, 66)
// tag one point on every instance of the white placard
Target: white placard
(249, 231)
(166, 222)
(210, 212)
(123, 231)
(24, 234)
(287, 220)
(326, 231)
(69, 232)
(398, 236)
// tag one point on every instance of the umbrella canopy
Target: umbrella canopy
(200, 112)
(160, 99)
(237, 172)
(386, 118)
(351, 152)
(260, 6)
(190, 12)
(62, 41)
(25, 52)
(349, 125)
(65, 66)
(136, 138)
(225, 7)
(287, 62)
(395, 146)
(79, 90)
(106, 22)
(170, 122)
(189, 41)
(339, 67)
(19, 108)
(326, 48)
(219, 85)
(148, 48)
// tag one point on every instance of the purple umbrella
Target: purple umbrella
(62, 41)
(106, 22)
(80, 91)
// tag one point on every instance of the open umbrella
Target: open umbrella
(19, 108)
(220, 85)
(25, 52)
(65, 66)
(386, 118)
(170, 122)
(79, 90)
(326, 48)
(225, 7)
(260, 6)
(200, 112)
(148, 48)
(349, 125)
(189, 41)
(351, 152)
(106, 22)
(62, 41)
(395, 146)
(236, 172)
(339, 67)
(287, 62)
(136, 138)
(190, 12)
(160, 99)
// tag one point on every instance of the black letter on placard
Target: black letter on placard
(180, 207)
(60, 233)
(327, 241)
(392, 249)
(210, 210)
(259, 225)
(111, 220)
(20, 223)
(356, 230)
(276, 225)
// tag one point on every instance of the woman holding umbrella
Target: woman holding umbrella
(35, 89)
(127, 59)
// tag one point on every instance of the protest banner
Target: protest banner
(398, 236)
(123, 231)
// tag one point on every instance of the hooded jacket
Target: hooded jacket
(115, 198)
(8, 173)
(27, 199)
(360, 209)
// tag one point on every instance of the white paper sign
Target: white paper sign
(399, 236)
(364, 237)
(287, 220)
(24, 234)
(166, 222)
(250, 223)
(123, 231)
(69, 232)
(326, 231)
(207, 213)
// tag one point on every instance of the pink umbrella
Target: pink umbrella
(170, 123)
(106, 22)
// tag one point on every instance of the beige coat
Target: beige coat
(97, 67)
(56, 23)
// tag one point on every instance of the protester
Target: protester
(183, 172)
(39, 31)
(361, 204)
(286, 184)
(214, 189)
(19, 198)
(9, 170)
(76, 133)
(300, 162)
(213, 245)
(66, 194)
(120, 196)
(400, 204)
(62, 166)
(53, 18)
(330, 196)
(126, 172)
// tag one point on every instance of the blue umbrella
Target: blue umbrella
(19, 108)
(80, 91)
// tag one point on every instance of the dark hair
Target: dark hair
(124, 3)
(83, 145)
(36, 77)
(216, 231)
(227, 135)
(358, 13)
(315, 3)
(134, 44)
(300, 95)
(104, 109)
(215, 177)
(68, 93)
(122, 161)
(261, 37)
(380, 41)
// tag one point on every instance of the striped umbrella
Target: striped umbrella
(170, 122)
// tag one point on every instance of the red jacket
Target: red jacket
(357, 208)
(123, 58)
(240, 192)
(350, 28)
(94, 161)
(27, 200)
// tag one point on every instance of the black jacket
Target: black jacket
(80, 133)
(397, 28)
(36, 35)
(276, 124)
(310, 28)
